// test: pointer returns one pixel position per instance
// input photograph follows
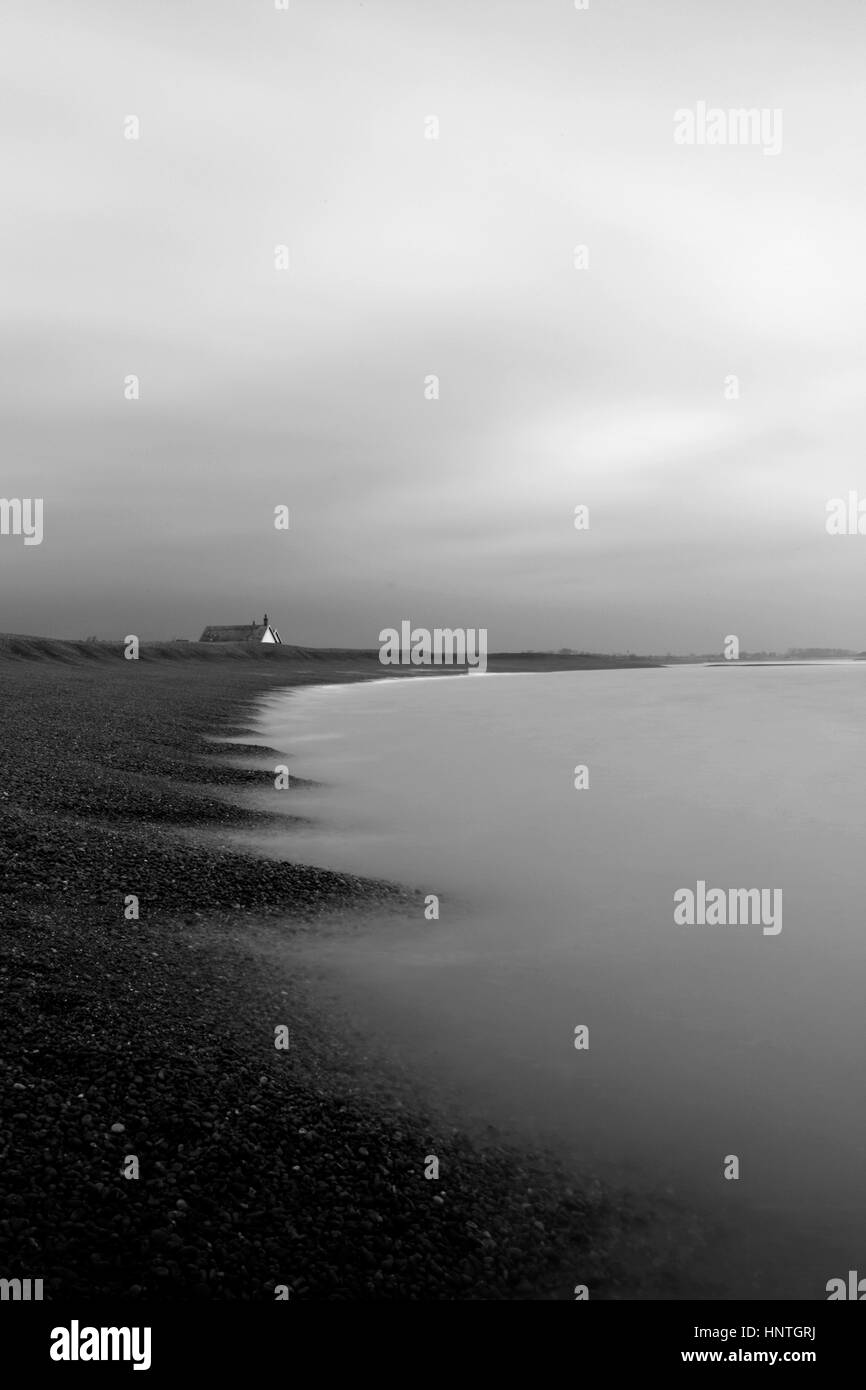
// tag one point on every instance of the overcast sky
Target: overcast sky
(408, 257)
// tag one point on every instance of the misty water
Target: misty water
(557, 909)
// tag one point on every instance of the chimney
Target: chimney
(265, 620)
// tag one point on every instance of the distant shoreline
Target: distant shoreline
(21, 647)
(360, 661)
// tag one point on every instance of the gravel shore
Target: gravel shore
(153, 1039)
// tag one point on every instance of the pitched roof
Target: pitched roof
(243, 632)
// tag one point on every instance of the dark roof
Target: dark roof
(243, 632)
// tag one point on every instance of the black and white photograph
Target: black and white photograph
(433, 670)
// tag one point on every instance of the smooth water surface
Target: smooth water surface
(557, 909)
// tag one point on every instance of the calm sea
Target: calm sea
(557, 910)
